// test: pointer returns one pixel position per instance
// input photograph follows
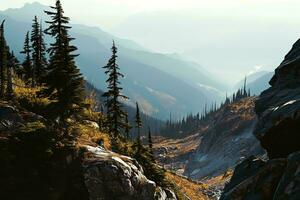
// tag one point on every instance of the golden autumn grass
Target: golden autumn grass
(219, 180)
(182, 146)
(186, 187)
(86, 134)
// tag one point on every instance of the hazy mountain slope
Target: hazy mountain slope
(220, 43)
(260, 84)
(250, 78)
(144, 71)
(256, 82)
(186, 71)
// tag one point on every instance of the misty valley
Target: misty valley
(119, 113)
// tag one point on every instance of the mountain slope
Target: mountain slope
(217, 146)
(144, 70)
(256, 82)
(260, 84)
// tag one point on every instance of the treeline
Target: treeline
(192, 122)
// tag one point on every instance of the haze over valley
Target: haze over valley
(149, 100)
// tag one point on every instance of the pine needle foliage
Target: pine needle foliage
(65, 84)
(115, 113)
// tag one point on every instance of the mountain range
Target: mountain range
(161, 83)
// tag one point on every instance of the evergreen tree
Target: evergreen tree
(150, 143)
(38, 53)
(3, 60)
(27, 64)
(115, 113)
(138, 122)
(127, 127)
(245, 87)
(10, 68)
(63, 78)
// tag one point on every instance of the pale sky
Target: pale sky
(108, 13)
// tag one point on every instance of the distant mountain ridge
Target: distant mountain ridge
(160, 83)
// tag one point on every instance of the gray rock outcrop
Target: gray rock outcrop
(112, 176)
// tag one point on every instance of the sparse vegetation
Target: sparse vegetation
(186, 188)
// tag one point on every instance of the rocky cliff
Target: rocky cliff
(278, 131)
(37, 164)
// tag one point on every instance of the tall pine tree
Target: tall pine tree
(115, 114)
(38, 52)
(3, 60)
(27, 64)
(63, 79)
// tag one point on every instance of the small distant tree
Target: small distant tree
(115, 113)
(10, 68)
(138, 123)
(127, 128)
(3, 60)
(64, 81)
(27, 64)
(245, 87)
(150, 143)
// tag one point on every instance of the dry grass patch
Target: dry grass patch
(87, 135)
(186, 187)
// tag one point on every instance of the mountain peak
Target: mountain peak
(33, 5)
(27, 12)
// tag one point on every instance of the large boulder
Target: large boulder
(9, 117)
(112, 176)
(254, 179)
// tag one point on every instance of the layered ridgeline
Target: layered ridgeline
(185, 87)
(278, 132)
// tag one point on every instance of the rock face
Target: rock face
(278, 130)
(112, 176)
(278, 108)
(226, 141)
